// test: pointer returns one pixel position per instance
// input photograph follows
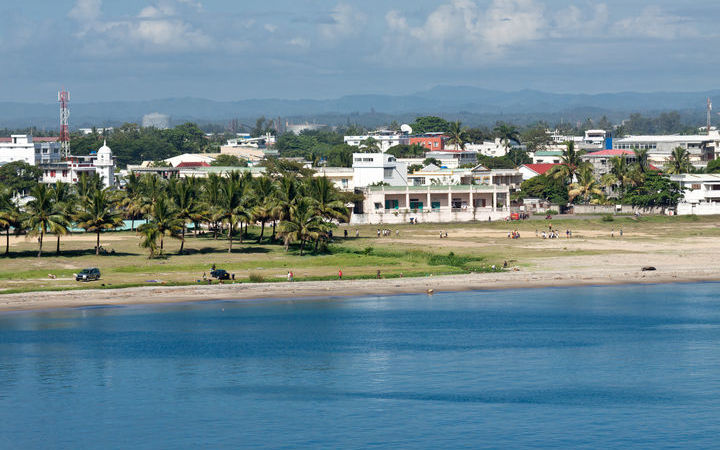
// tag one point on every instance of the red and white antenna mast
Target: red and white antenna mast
(64, 100)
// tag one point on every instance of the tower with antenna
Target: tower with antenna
(64, 100)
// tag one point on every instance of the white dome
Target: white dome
(104, 150)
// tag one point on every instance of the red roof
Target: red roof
(540, 168)
(193, 164)
(613, 152)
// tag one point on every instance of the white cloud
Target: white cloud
(270, 27)
(299, 42)
(653, 22)
(345, 21)
(156, 28)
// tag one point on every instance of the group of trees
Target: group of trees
(300, 207)
(636, 183)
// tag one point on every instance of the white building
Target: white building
(702, 193)
(69, 171)
(595, 137)
(374, 168)
(156, 120)
(385, 139)
(702, 147)
(34, 151)
(342, 177)
(494, 148)
(454, 158)
(189, 158)
(87, 131)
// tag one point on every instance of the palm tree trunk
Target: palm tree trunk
(302, 244)
(273, 235)
(317, 241)
(41, 240)
(262, 231)
(57, 250)
(182, 241)
(97, 244)
(7, 241)
(132, 223)
(230, 238)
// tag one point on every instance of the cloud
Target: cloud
(270, 27)
(653, 22)
(299, 42)
(462, 29)
(156, 28)
(344, 21)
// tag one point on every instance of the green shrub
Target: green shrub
(607, 218)
(256, 278)
(551, 212)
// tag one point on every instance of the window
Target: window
(378, 205)
(388, 172)
(391, 204)
(416, 204)
(695, 186)
(435, 205)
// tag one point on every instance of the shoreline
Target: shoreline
(151, 295)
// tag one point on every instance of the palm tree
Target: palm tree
(586, 185)
(506, 133)
(99, 214)
(87, 184)
(150, 234)
(166, 219)
(212, 196)
(458, 135)
(571, 164)
(370, 145)
(10, 216)
(65, 201)
(263, 192)
(185, 198)
(43, 215)
(329, 205)
(302, 224)
(286, 195)
(641, 160)
(231, 206)
(679, 161)
(132, 202)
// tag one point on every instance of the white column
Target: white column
(494, 205)
(407, 197)
(450, 197)
(429, 203)
(472, 203)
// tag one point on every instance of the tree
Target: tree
(65, 202)
(428, 161)
(164, 216)
(231, 207)
(370, 145)
(545, 187)
(414, 168)
(99, 214)
(407, 151)
(19, 176)
(536, 138)
(656, 191)
(43, 215)
(585, 187)
(641, 160)
(506, 133)
(149, 234)
(458, 136)
(229, 161)
(430, 124)
(679, 161)
(713, 166)
(302, 224)
(263, 196)
(10, 216)
(571, 164)
(184, 195)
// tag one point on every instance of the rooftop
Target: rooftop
(540, 168)
(613, 152)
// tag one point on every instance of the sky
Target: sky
(104, 50)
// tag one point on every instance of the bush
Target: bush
(368, 250)
(256, 278)
(551, 212)
(607, 218)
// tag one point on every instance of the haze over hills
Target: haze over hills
(453, 101)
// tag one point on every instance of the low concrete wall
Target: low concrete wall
(700, 209)
(610, 209)
(442, 215)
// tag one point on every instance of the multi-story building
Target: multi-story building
(70, 170)
(454, 158)
(431, 141)
(385, 139)
(701, 193)
(32, 150)
(702, 147)
(375, 168)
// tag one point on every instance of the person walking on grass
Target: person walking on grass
(340, 274)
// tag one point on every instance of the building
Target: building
(434, 175)
(509, 178)
(32, 150)
(431, 204)
(702, 147)
(454, 158)
(342, 177)
(87, 131)
(185, 158)
(494, 148)
(385, 139)
(701, 193)
(595, 138)
(69, 171)
(431, 141)
(375, 168)
(156, 120)
(547, 157)
(299, 128)
(601, 160)
(532, 170)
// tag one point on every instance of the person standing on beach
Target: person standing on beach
(340, 274)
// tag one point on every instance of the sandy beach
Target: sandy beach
(340, 288)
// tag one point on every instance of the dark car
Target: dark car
(220, 274)
(90, 274)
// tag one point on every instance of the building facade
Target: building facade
(375, 168)
(32, 150)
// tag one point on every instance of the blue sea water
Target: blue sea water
(600, 367)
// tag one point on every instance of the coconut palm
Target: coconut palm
(211, 195)
(132, 202)
(288, 192)
(87, 184)
(10, 216)
(65, 201)
(302, 224)
(571, 164)
(506, 133)
(99, 214)
(329, 205)
(43, 215)
(679, 161)
(370, 145)
(263, 192)
(586, 185)
(231, 207)
(149, 234)
(458, 135)
(164, 216)
(641, 160)
(184, 196)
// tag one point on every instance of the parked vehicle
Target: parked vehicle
(220, 274)
(91, 274)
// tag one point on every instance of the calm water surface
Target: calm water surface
(597, 367)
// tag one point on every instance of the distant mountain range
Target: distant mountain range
(443, 100)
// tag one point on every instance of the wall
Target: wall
(700, 209)
(605, 209)
(445, 215)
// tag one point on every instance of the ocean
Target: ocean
(601, 367)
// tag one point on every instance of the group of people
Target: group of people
(357, 233)
(384, 232)
(514, 234)
(443, 234)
